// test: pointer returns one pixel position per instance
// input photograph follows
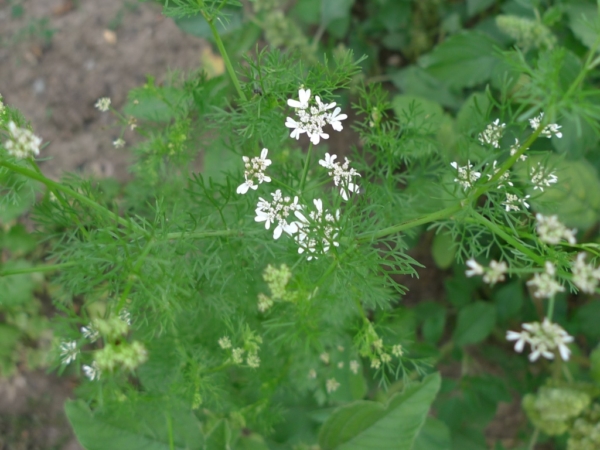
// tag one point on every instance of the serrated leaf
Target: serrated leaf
(143, 425)
(475, 322)
(509, 300)
(463, 60)
(435, 435)
(374, 426)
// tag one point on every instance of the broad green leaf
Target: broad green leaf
(417, 81)
(334, 10)
(463, 60)
(443, 250)
(476, 6)
(509, 300)
(143, 425)
(434, 435)
(595, 364)
(432, 315)
(475, 323)
(584, 22)
(371, 425)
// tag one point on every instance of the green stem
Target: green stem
(135, 271)
(225, 57)
(209, 234)
(442, 214)
(305, 170)
(550, 311)
(534, 439)
(509, 239)
(76, 195)
(584, 70)
(36, 269)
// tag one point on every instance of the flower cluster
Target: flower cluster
(277, 280)
(515, 148)
(466, 177)
(504, 178)
(312, 119)
(491, 275)
(514, 203)
(492, 134)
(103, 104)
(544, 338)
(549, 130)
(250, 348)
(544, 283)
(68, 351)
(551, 231)
(277, 211)
(585, 276)
(22, 143)
(540, 177)
(342, 174)
(254, 168)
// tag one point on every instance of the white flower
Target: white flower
(342, 174)
(254, 168)
(385, 358)
(312, 374)
(375, 363)
(541, 178)
(513, 202)
(475, 268)
(103, 104)
(545, 285)
(505, 178)
(491, 275)
(549, 130)
(340, 365)
(466, 177)
(492, 134)
(92, 372)
(324, 357)
(515, 148)
(119, 143)
(277, 212)
(397, 350)
(354, 366)
(22, 143)
(68, 351)
(225, 342)
(495, 272)
(125, 316)
(312, 119)
(253, 361)
(264, 303)
(551, 231)
(543, 338)
(585, 276)
(332, 385)
(90, 332)
(237, 355)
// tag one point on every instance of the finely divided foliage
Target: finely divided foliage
(180, 311)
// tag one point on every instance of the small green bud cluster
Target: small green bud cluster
(553, 409)
(371, 346)
(249, 348)
(528, 33)
(112, 328)
(277, 280)
(585, 433)
(123, 354)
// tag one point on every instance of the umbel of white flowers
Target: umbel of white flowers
(312, 118)
(544, 338)
(21, 142)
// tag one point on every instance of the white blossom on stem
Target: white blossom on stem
(514, 203)
(277, 212)
(21, 142)
(541, 177)
(103, 104)
(491, 275)
(342, 174)
(254, 169)
(465, 177)
(515, 148)
(493, 133)
(68, 351)
(505, 178)
(317, 233)
(545, 284)
(543, 339)
(585, 276)
(92, 371)
(312, 118)
(549, 130)
(551, 231)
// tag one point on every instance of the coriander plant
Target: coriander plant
(260, 305)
